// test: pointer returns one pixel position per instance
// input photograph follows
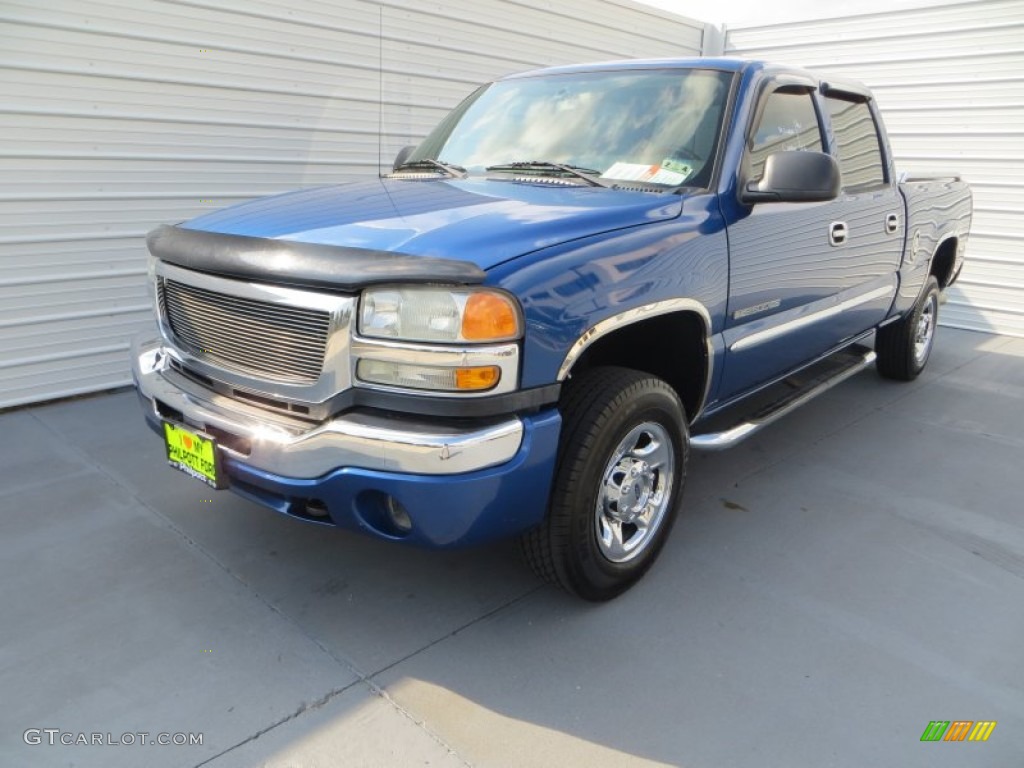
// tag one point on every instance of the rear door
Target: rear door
(872, 210)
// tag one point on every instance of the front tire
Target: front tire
(618, 483)
(903, 348)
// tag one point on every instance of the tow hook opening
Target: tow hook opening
(311, 510)
(316, 508)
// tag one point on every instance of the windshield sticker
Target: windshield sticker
(677, 165)
(637, 172)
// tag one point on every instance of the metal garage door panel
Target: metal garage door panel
(122, 115)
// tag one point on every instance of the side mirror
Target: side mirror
(402, 156)
(795, 177)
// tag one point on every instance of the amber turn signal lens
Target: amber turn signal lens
(489, 317)
(482, 377)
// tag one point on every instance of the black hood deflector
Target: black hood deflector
(309, 265)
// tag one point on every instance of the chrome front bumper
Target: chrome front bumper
(299, 449)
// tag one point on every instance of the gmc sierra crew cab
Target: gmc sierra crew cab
(581, 275)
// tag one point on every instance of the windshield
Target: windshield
(655, 126)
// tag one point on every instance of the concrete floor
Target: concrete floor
(837, 582)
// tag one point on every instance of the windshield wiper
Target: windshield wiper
(455, 171)
(587, 174)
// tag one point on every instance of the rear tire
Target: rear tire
(903, 348)
(618, 483)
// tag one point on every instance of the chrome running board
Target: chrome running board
(750, 424)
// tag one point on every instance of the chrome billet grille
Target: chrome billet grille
(258, 338)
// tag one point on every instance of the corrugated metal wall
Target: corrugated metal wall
(120, 115)
(950, 83)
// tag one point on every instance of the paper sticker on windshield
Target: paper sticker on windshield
(638, 172)
(665, 176)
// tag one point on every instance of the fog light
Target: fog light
(397, 514)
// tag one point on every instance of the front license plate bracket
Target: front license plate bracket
(194, 453)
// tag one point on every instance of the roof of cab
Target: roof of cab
(725, 64)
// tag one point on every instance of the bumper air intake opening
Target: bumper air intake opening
(171, 414)
(308, 510)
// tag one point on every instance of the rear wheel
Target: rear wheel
(619, 480)
(903, 348)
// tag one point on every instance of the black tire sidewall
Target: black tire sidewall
(594, 576)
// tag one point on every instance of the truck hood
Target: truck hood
(484, 221)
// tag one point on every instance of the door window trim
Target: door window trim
(854, 97)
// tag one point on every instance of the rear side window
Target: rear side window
(788, 122)
(857, 144)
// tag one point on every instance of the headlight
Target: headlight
(419, 313)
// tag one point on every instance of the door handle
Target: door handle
(837, 233)
(892, 223)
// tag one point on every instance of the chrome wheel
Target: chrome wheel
(924, 333)
(636, 490)
(616, 493)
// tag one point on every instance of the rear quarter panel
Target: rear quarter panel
(936, 210)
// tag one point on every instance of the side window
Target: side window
(788, 121)
(859, 150)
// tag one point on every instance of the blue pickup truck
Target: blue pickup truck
(581, 275)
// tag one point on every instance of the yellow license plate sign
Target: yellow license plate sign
(193, 453)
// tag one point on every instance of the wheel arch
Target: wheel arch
(943, 260)
(634, 339)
